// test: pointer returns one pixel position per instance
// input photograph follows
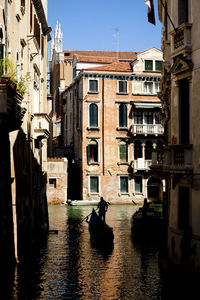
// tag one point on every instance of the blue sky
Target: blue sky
(91, 24)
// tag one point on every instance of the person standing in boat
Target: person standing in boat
(102, 206)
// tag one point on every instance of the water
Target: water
(68, 266)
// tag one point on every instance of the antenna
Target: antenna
(116, 36)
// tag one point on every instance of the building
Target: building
(24, 125)
(111, 120)
(179, 162)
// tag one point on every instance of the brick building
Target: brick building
(111, 120)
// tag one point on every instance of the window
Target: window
(1, 57)
(183, 207)
(123, 152)
(148, 65)
(138, 184)
(158, 65)
(93, 115)
(182, 11)
(92, 152)
(37, 30)
(52, 182)
(123, 116)
(148, 150)
(138, 117)
(93, 86)
(157, 117)
(148, 87)
(94, 184)
(183, 111)
(148, 117)
(137, 150)
(122, 86)
(123, 184)
(157, 87)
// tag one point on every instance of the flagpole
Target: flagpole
(165, 7)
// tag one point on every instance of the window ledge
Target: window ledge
(94, 163)
(123, 163)
(122, 93)
(93, 128)
(93, 92)
(124, 194)
(122, 128)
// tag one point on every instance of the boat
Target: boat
(150, 223)
(81, 202)
(100, 232)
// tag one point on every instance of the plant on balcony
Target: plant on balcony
(8, 76)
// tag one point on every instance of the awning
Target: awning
(147, 105)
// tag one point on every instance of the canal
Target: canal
(68, 266)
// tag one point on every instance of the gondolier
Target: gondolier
(102, 206)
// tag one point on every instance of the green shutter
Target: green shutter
(122, 115)
(1, 57)
(138, 184)
(123, 153)
(124, 184)
(93, 115)
(158, 65)
(94, 187)
(148, 65)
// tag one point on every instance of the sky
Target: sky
(94, 24)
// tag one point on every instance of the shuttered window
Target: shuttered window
(123, 184)
(138, 117)
(182, 11)
(138, 184)
(1, 57)
(158, 65)
(122, 86)
(93, 112)
(94, 184)
(122, 115)
(123, 152)
(148, 65)
(93, 85)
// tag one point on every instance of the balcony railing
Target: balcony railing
(181, 40)
(141, 164)
(41, 125)
(147, 129)
(11, 110)
(175, 158)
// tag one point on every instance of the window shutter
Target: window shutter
(124, 184)
(158, 65)
(122, 115)
(148, 65)
(123, 152)
(93, 115)
(94, 188)
(1, 57)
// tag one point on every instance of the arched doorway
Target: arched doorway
(155, 189)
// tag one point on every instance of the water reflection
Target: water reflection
(68, 266)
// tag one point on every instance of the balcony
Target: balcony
(173, 159)
(11, 110)
(147, 129)
(141, 164)
(182, 41)
(41, 125)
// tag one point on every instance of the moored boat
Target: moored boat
(100, 232)
(149, 223)
(81, 202)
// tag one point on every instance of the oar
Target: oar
(87, 216)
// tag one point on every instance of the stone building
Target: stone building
(24, 125)
(111, 120)
(179, 163)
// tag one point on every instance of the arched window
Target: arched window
(92, 152)
(122, 115)
(93, 111)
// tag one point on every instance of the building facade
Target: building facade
(24, 125)
(111, 120)
(179, 162)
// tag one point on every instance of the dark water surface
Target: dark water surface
(68, 266)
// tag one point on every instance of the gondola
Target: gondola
(100, 232)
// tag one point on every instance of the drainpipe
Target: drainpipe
(103, 162)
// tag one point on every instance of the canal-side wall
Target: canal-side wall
(57, 180)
